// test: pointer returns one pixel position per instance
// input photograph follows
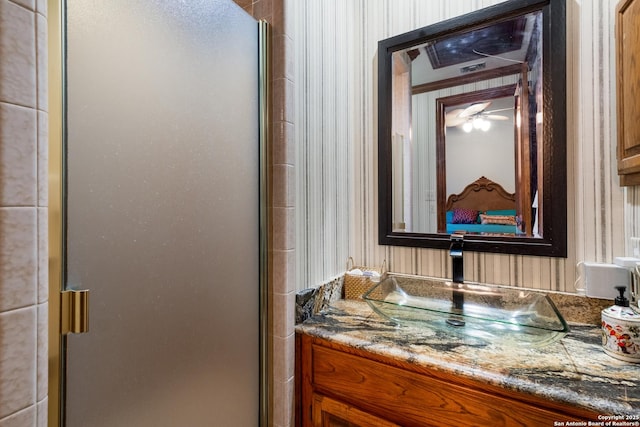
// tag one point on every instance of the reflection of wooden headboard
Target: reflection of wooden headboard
(482, 195)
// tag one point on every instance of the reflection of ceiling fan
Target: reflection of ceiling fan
(473, 117)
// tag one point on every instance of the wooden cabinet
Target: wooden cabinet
(628, 90)
(328, 412)
(343, 386)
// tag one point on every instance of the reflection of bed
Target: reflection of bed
(494, 208)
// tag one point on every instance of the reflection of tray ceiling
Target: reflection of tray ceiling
(495, 39)
(496, 46)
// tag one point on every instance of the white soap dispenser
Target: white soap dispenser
(621, 329)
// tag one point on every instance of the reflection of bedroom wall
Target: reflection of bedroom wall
(477, 153)
(424, 185)
(335, 118)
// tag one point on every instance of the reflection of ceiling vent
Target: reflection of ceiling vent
(473, 67)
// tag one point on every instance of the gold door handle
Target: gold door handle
(74, 311)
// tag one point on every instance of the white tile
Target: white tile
(283, 314)
(283, 275)
(283, 100)
(284, 187)
(23, 418)
(18, 258)
(43, 255)
(283, 228)
(42, 352)
(17, 360)
(42, 66)
(283, 145)
(283, 402)
(42, 7)
(43, 413)
(29, 4)
(18, 59)
(43, 158)
(283, 358)
(18, 152)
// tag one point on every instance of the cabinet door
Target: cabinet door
(331, 413)
(628, 54)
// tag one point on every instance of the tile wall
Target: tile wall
(23, 213)
(282, 208)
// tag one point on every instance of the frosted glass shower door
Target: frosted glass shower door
(162, 213)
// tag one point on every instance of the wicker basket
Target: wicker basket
(356, 285)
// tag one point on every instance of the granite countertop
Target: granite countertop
(574, 370)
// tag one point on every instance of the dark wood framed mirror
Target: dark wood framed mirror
(476, 106)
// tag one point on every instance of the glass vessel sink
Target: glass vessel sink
(489, 314)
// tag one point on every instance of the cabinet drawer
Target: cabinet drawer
(331, 413)
(415, 399)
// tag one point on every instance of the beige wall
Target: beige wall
(23, 213)
(336, 113)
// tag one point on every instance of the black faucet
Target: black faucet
(455, 250)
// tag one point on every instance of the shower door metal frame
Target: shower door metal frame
(56, 212)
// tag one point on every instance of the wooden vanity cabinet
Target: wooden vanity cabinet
(340, 386)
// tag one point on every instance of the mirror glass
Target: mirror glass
(472, 131)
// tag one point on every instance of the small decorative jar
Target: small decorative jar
(621, 330)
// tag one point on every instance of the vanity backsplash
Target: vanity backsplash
(311, 301)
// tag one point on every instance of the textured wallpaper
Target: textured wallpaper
(336, 158)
